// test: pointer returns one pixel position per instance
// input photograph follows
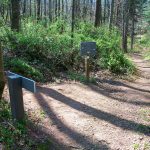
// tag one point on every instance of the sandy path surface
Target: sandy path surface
(107, 116)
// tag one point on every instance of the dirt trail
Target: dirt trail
(107, 116)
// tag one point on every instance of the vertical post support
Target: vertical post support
(16, 97)
(87, 68)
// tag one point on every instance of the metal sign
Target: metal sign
(27, 84)
(88, 49)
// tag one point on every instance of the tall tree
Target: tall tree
(132, 15)
(111, 15)
(38, 9)
(15, 18)
(125, 25)
(98, 14)
(2, 79)
(73, 21)
(50, 10)
(24, 7)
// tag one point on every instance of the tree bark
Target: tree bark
(50, 10)
(73, 21)
(111, 15)
(125, 26)
(98, 14)
(2, 79)
(38, 9)
(132, 33)
(15, 19)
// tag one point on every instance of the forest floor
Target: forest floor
(110, 115)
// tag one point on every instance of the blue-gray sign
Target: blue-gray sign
(88, 49)
(26, 83)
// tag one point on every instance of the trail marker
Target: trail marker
(88, 49)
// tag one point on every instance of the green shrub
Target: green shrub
(145, 39)
(51, 48)
(19, 135)
(23, 68)
(12, 135)
(80, 77)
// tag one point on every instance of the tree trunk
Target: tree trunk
(132, 33)
(24, 8)
(105, 5)
(132, 14)
(45, 13)
(56, 10)
(125, 26)
(73, 21)
(111, 15)
(38, 9)
(50, 10)
(30, 8)
(15, 19)
(2, 79)
(59, 9)
(62, 9)
(98, 14)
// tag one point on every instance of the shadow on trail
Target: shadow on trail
(118, 83)
(45, 139)
(79, 138)
(108, 92)
(117, 121)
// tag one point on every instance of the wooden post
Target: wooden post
(16, 97)
(87, 68)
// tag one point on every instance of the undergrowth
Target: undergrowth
(12, 135)
(18, 135)
(42, 50)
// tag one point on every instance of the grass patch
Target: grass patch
(145, 114)
(12, 134)
(80, 77)
(145, 146)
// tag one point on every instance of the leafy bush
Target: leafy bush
(51, 47)
(19, 135)
(145, 41)
(23, 68)
(11, 136)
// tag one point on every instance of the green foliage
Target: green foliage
(51, 48)
(80, 77)
(17, 135)
(144, 113)
(138, 146)
(22, 67)
(12, 136)
(145, 40)
(118, 63)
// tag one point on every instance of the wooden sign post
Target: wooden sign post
(88, 49)
(16, 83)
(87, 68)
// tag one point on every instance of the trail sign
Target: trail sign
(16, 83)
(88, 49)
